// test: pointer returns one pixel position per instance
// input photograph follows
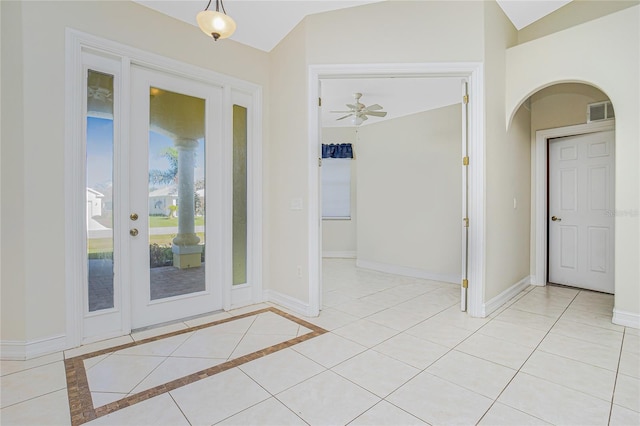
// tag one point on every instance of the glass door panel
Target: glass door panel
(175, 148)
(176, 193)
(239, 195)
(99, 191)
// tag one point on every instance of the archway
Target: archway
(560, 111)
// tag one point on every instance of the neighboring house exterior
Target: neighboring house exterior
(600, 48)
(161, 199)
(94, 203)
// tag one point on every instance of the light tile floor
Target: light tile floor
(398, 352)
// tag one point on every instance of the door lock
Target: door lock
(133, 216)
(555, 219)
(133, 232)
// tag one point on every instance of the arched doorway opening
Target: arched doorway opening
(573, 186)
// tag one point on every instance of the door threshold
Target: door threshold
(164, 324)
(576, 288)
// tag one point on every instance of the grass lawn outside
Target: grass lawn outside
(100, 245)
(166, 222)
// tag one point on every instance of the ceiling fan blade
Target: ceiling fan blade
(343, 112)
(342, 118)
(374, 107)
(363, 117)
(352, 106)
(376, 113)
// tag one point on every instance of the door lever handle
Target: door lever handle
(555, 219)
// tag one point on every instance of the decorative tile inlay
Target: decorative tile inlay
(81, 403)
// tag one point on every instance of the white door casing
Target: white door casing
(473, 73)
(581, 200)
(83, 327)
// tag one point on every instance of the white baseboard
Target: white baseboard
(628, 319)
(20, 350)
(339, 254)
(291, 303)
(409, 272)
(495, 303)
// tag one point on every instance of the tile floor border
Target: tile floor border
(80, 400)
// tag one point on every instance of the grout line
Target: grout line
(179, 408)
(526, 360)
(615, 382)
(79, 393)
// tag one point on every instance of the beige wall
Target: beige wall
(410, 192)
(562, 105)
(33, 56)
(286, 167)
(574, 13)
(397, 31)
(12, 270)
(507, 165)
(604, 53)
(339, 236)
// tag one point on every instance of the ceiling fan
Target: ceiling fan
(359, 111)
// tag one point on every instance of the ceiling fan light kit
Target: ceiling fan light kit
(360, 112)
(216, 24)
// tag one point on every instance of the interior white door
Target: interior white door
(581, 201)
(175, 197)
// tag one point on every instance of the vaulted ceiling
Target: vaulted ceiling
(262, 24)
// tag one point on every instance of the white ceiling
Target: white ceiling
(262, 24)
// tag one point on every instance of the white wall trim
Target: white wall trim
(539, 171)
(474, 72)
(290, 303)
(408, 272)
(339, 254)
(628, 319)
(502, 298)
(20, 350)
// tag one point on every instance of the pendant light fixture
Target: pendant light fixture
(216, 24)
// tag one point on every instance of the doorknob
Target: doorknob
(555, 219)
(133, 232)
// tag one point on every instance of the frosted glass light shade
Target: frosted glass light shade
(216, 24)
(357, 120)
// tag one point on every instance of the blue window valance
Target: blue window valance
(337, 150)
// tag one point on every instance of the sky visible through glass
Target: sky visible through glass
(100, 153)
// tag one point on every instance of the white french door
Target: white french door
(175, 197)
(581, 203)
(163, 184)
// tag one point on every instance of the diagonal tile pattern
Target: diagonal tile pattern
(397, 352)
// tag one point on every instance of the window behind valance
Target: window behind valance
(340, 150)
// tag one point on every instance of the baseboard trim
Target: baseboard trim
(502, 298)
(628, 319)
(288, 302)
(408, 272)
(20, 350)
(339, 254)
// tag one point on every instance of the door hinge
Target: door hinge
(319, 102)
(466, 222)
(465, 283)
(465, 161)
(320, 162)
(465, 99)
